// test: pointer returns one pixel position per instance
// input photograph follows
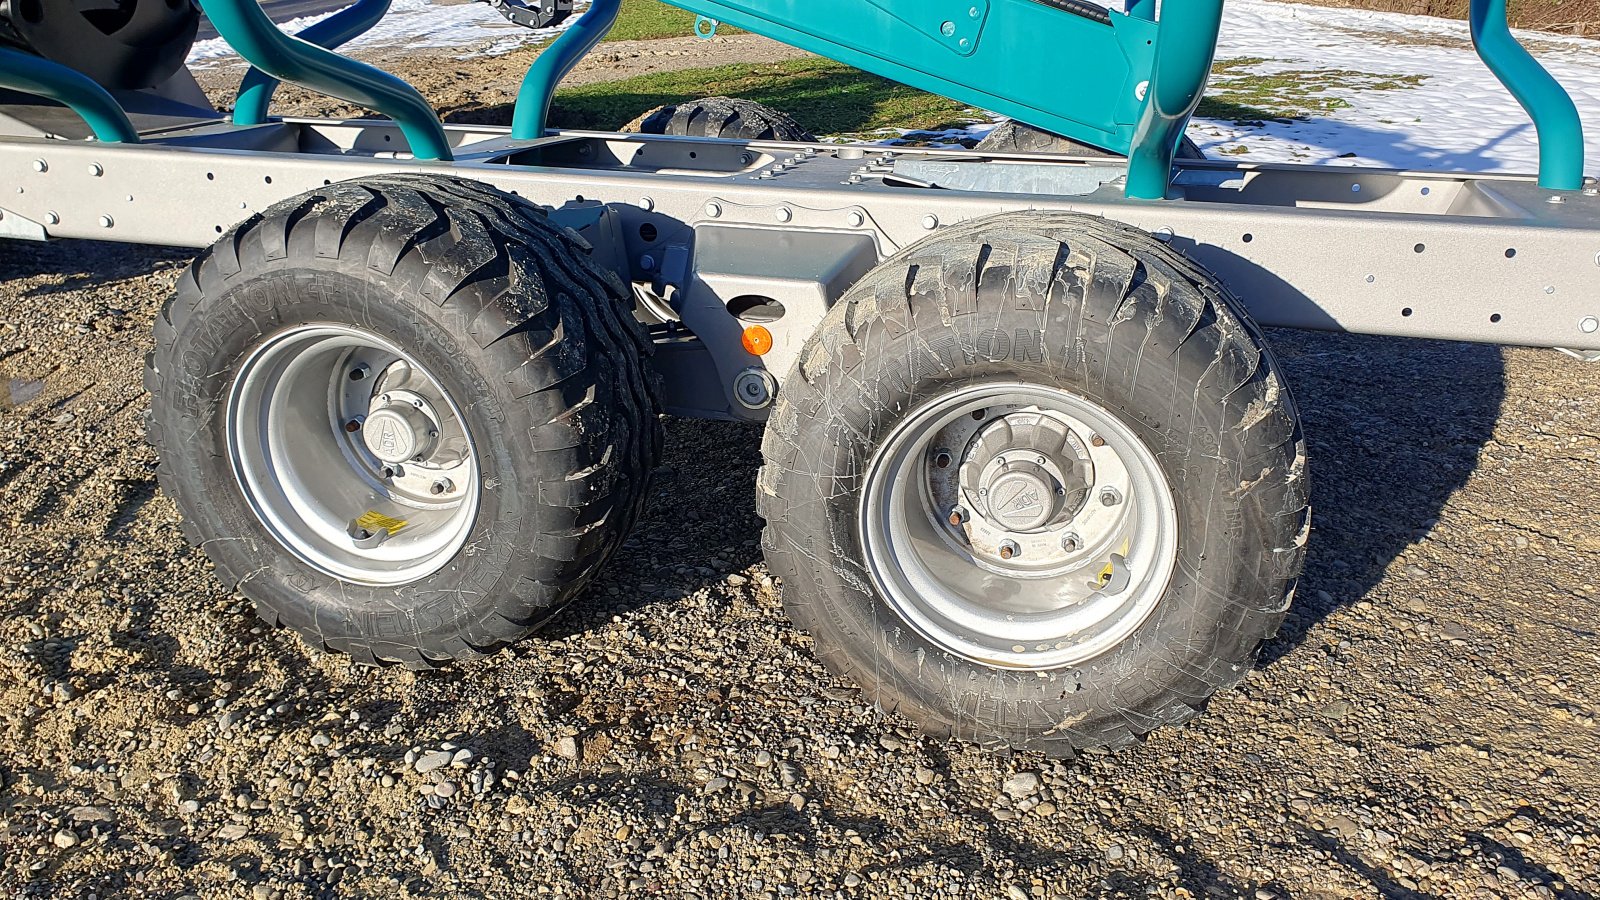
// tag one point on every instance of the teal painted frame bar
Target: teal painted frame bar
(1186, 46)
(532, 114)
(1555, 116)
(257, 87)
(30, 74)
(246, 28)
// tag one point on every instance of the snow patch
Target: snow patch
(473, 28)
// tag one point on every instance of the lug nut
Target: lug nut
(442, 486)
(1071, 543)
(958, 516)
(1009, 549)
(1098, 441)
(388, 471)
(359, 373)
(943, 459)
(352, 426)
(1110, 497)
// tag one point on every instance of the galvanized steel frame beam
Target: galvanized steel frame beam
(1495, 259)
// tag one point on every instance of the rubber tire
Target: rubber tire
(1085, 305)
(722, 117)
(536, 344)
(1015, 137)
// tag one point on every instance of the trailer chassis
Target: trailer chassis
(716, 228)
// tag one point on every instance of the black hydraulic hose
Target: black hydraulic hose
(1094, 12)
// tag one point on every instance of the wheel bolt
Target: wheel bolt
(442, 486)
(1098, 441)
(1009, 549)
(943, 459)
(352, 426)
(978, 414)
(1071, 543)
(388, 471)
(958, 516)
(1110, 497)
(359, 373)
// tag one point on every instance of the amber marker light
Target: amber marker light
(757, 340)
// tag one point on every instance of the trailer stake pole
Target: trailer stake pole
(554, 62)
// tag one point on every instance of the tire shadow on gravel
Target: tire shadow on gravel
(1395, 428)
(699, 527)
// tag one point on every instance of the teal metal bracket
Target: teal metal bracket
(1186, 46)
(257, 88)
(246, 28)
(1555, 116)
(958, 24)
(539, 86)
(30, 74)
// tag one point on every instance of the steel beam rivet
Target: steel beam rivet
(930, 222)
(95, 170)
(785, 214)
(106, 222)
(647, 204)
(857, 220)
(714, 210)
(1550, 289)
(948, 29)
(1589, 325)
(40, 165)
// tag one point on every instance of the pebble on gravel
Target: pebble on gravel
(427, 762)
(1021, 785)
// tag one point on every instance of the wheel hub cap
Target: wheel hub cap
(399, 429)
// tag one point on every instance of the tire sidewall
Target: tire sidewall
(1171, 655)
(270, 301)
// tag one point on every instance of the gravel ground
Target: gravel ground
(1424, 727)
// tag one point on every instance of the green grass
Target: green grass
(651, 20)
(833, 99)
(824, 96)
(1239, 95)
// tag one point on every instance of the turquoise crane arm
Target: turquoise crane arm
(257, 88)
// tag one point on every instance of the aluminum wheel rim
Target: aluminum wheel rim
(1081, 572)
(352, 455)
